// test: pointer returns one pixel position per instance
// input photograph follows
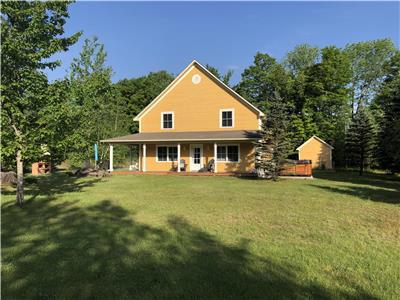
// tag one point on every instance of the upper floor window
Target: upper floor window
(226, 118)
(167, 120)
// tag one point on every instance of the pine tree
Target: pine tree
(389, 101)
(272, 148)
(360, 139)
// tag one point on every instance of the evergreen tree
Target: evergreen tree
(360, 139)
(389, 102)
(272, 148)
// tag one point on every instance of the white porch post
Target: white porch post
(179, 157)
(140, 157)
(144, 158)
(215, 158)
(111, 158)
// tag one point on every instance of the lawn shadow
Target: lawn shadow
(61, 250)
(49, 186)
(373, 187)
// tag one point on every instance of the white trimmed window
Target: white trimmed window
(167, 153)
(226, 118)
(229, 153)
(167, 120)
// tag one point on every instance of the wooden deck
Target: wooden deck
(182, 173)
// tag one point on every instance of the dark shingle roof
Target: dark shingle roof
(231, 135)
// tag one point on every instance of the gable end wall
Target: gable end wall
(319, 154)
(197, 107)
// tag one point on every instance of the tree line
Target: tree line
(347, 96)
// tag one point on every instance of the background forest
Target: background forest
(347, 96)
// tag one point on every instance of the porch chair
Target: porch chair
(211, 166)
(134, 167)
(182, 165)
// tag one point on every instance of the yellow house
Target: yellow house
(318, 151)
(195, 121)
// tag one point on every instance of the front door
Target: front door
(196, 157)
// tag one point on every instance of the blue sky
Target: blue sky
(143, 37)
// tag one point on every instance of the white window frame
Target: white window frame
(233, 117)
(168, 160)
(226, 153)
(162, 119)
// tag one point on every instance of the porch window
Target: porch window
(233, 153)
(228, 153)
(221, 153)
(172, 153)
(165, 153)
(226, 118)
(167, 120)
(162, 153)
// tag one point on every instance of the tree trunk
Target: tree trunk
(20, 169)
(116, 122)
(362, 163)
(20, 179)
(353, 95)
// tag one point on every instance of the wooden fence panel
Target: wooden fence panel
(297, 169)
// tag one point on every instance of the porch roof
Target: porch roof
(231, 135)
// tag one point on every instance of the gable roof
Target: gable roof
(181, 76)
(318, 139)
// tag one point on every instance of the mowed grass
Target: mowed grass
(170, 237)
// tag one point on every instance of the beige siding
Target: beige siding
(319, 154)
(196, 107)
(246, 163)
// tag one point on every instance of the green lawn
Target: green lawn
(163, 237)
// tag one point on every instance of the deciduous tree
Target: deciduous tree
(301, 58)
(136, 93)
(225, 78)
(31, 32)
(367, 65)
(326, 97)
(101, 113)
(263, 79)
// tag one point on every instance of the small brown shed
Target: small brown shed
(318, 151)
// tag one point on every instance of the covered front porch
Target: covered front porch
(183, 173)
(189, 152)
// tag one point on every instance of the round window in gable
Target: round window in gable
(196, 79)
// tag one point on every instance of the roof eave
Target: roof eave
(317, 138)
(179, 140)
